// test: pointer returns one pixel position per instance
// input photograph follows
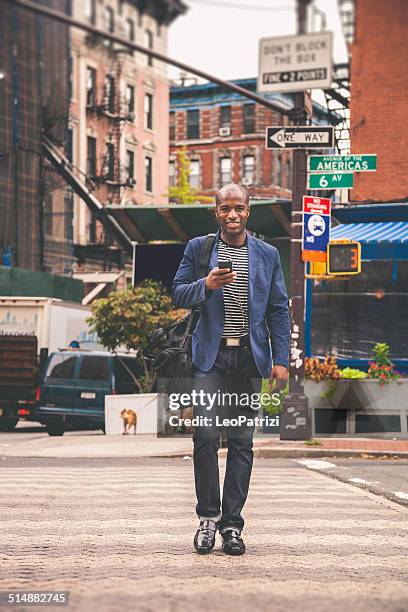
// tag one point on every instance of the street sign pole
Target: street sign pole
(295, 421)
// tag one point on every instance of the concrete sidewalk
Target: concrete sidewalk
(95, 444)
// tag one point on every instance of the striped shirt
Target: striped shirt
(235, 294)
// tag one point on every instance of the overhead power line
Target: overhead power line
(63, 18)
(246, 7)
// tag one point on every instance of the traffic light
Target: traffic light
(343, 257)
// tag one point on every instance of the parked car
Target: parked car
(73, 386)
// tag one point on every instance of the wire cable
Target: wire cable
(248, 7)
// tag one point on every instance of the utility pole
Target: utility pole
(295, 421)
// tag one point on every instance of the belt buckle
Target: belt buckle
(232, 342)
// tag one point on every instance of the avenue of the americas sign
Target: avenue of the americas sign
(342, 163)
(295, 63)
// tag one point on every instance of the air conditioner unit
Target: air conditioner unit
(224, 131)
(247, 180)
(130, 182)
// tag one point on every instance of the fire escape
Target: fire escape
(338, 97)
(109, 105)
(338, 106)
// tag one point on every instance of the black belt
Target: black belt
(231, 342)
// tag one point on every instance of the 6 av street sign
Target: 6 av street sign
(342, 163)
(330, 181)
(299, 137)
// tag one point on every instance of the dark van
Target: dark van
(74, 384)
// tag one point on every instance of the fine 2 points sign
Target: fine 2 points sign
(295, 63)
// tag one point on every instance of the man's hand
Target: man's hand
(218, 277)
(279, 375)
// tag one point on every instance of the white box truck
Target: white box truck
(30, 329)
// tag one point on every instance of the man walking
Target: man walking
(243, 326)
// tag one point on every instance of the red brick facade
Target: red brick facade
(379, 91)
(270, 178)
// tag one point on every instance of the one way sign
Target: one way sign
(299, 137)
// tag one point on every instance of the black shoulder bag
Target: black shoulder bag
(170, 351)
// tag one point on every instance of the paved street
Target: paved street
(118, 535)
(386, 477)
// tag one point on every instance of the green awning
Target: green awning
(180, 222)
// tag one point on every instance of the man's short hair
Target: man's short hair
(231, 187)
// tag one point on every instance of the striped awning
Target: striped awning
(383, 240)
(393, 231)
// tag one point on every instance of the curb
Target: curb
(296, 453)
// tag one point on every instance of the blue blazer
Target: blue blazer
(267, 303)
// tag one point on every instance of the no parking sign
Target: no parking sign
(316, 228)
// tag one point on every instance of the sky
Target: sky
(221, 36)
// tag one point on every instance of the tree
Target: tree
(182, 192)
(127, 319)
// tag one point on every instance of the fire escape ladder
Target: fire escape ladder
(82, 187)
(338, 106)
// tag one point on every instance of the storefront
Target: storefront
(345, 318)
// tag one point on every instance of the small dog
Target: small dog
(129, 419)
(187, 413)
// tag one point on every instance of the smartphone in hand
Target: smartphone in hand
(225, 265)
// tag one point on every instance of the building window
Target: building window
(249, 118)
(92, 227)
(149, 45)
(194, 176)
(90, 11)
(279, 172)
(90, 86)
(172, 126)
(110, 93)
(109, 19)
(288, 175)
(225, 117)
(130, 167)
(109, 169)
(172, 173)
(69, 146)
(130, 102)
(70, 77)
(148, 173)
(225, 170)
(130, 29)
(193, 124)
(148, 111)
(249, 170)
(91, 156)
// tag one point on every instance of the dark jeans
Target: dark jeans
(234, 372)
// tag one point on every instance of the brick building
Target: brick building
(105, 108)
(379, 86)
(118, 123)
(224, 134)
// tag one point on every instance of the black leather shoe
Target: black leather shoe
(232, 543)
(204, 539)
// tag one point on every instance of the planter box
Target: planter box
(363, 394)
(359, 406)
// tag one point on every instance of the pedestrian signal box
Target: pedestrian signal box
(343, 257)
